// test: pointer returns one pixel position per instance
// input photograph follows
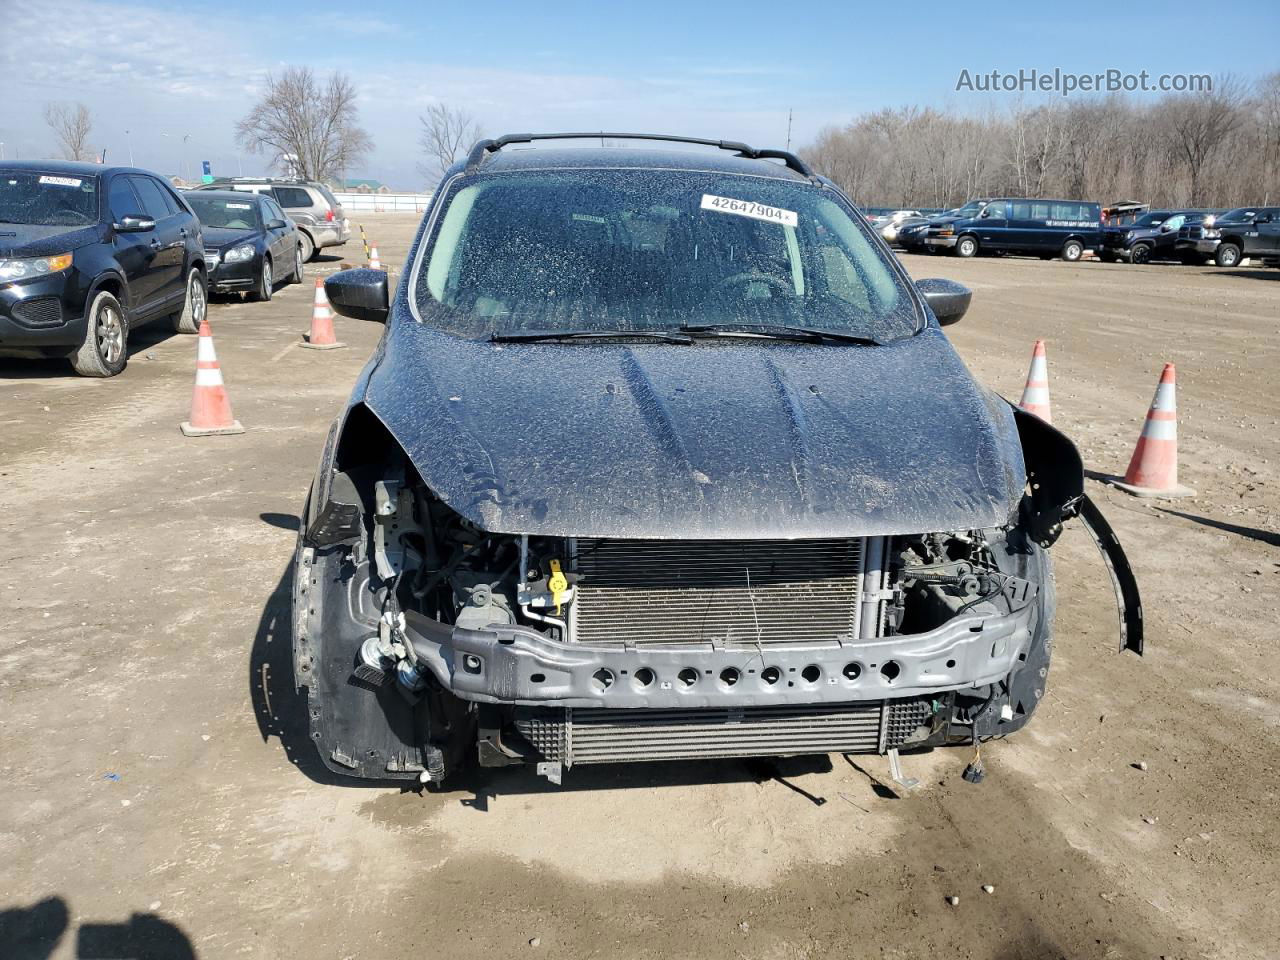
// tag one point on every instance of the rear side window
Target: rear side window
(1067, 211)
(1039, 210)
(122, 201)
(329, 197)
(153, 201)
(293, 197)
(1021, 210)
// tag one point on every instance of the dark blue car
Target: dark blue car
(1048, 228)
(1150, 237)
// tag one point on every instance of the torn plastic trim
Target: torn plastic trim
(1125, 584)
(503, 664)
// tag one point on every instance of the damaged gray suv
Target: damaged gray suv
(663, 456)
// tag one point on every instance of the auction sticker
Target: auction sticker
(239, 206)
(62, 181)
(749, 208)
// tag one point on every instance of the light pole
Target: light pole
(186, 167)
(129, 140)
(1, 149)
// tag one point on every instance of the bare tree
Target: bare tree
(310, 129)
(70, 123)
(446, 132)
(1196, 126)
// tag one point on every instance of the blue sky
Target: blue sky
(718, 68)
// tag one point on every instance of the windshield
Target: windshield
(970, 209)
(1240, 213)
(1153, 219)
(47, 199)
(231, 214)
(627, 250)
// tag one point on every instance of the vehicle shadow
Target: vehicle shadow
(45, 368)
(34, 932)
(1261, 273)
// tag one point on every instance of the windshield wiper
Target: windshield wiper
(538, 336)
(777, 331)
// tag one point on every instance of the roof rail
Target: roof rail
(484, 147)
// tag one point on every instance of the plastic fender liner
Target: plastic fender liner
(1055, 475)
(1122, 578)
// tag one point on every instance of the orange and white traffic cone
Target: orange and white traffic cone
(1153, 470)
(1035, 395)
(321, 336)
(210, 408)
(374, 262)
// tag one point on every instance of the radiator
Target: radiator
(715, 591)
(580, 736)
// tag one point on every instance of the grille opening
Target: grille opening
(688, 676)
(852, 671)
(644, 678)
(771, 675)
(729, 676)
(715, 591)
(811, 673)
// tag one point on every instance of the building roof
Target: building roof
(353, 184)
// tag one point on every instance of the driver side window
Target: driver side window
(994, 210)
(122, 201)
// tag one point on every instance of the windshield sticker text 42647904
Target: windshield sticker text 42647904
(749, 208)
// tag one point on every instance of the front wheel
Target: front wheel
(1141, 253)
(105, 349)
(1072, 250)
(1228, 255)
(194, 305)
(262, 290)
(966, 247)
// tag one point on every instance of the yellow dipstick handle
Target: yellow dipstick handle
(558, 584)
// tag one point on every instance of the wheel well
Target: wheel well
(113, 285)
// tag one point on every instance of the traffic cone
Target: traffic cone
(1035, 395)
(210, 408)
(321, 336)
(1153, 470)
(374, 262)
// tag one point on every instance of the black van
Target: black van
(1050, 228)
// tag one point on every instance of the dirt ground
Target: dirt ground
(160, 798)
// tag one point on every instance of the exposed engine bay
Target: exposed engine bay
(558, 651)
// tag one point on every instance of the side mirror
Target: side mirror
(1165, 228)
(276, 224)
(134, 223)
(948, 300)
(360, 293)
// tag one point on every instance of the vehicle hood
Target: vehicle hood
(721, 439)
(27, 240)
(215, 238)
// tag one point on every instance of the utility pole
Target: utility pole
(129, 140)
(788, 129)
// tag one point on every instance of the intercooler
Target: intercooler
(579, 736)
(715, 591)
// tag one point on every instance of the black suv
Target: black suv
(1152, 236)
(663, 456)
(87, 253)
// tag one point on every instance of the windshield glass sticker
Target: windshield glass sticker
(749, 208)
(239, 206)
(62, 181)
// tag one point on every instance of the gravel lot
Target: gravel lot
(160, 795)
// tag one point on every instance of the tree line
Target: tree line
(1215, 148)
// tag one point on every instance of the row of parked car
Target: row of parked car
(1067, 228)
(88, 253)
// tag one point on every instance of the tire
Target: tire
(1227, 255)
(105, 350)
(262, 290)
(967, 246)
(298, 268)
(194, 305)
(1071, 250)
(309, 247)
(1141, 253)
